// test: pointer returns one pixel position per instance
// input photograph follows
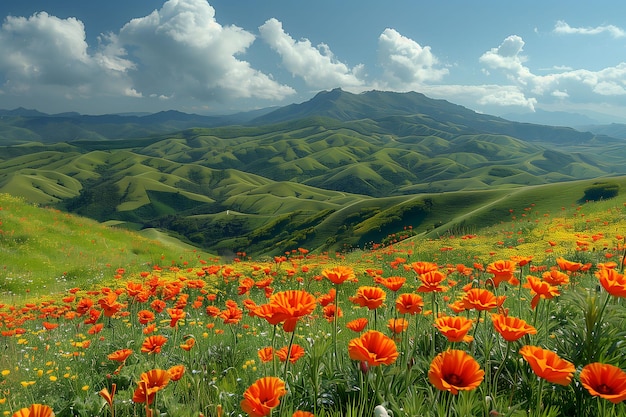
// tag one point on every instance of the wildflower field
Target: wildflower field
(521, 319)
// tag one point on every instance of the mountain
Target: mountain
(616, 130)
(553, 118)
(338, 171)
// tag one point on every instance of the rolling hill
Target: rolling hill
(338, 171)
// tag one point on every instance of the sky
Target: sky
(225, 56)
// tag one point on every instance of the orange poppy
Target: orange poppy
(266, 354)
(502, 270)
(175, 315)
(262, 396)
(120, 355)
(370, 297)
(568, 266)
(35, 410)
(423, 267)
(153, 344)
(339, 274)
(454, 371)
(296, 353)
(145, 316)
(539, 289)
(108, 395)
(548, 365)
(328, 298)
(480, 299)
(391, 283)
(409, 303)
(300, 413)
(511, 328)
(176, 372)
(96, 328)
(149, 384)
(231, 315)
(357, 325)
(397, 325)
(188, 344)
(50, 326)
(373, 347)
(612, 281)
(431, 281)
(454, 328)
(110, 305)
(330, 311)
(605, 381)
(555, 277)
(291, 305)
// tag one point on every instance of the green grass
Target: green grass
(45, 250)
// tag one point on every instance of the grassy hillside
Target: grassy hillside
(45, 250)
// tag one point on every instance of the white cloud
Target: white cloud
(405, 62)
(182, 51)
(562, 27)
(317, 66)
(575, 85)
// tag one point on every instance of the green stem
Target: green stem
(293, 334)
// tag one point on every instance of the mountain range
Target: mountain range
(340, 170)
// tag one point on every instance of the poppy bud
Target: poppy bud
(363, 365)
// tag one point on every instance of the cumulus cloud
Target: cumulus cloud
(181, 50)
(575, 85)
(44, 51)
(316, 65)
(405, 62)
(562, 27)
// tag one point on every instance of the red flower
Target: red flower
(605, 381)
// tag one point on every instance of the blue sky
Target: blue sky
(223, 56)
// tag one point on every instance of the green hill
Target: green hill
(338, 171)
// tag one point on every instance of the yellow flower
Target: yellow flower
(53, 378)
(3, 400)
(5, 372)
(85, 387)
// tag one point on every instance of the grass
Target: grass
(57, 353)
(46, 250)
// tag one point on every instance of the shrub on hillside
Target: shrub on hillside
(601, 191)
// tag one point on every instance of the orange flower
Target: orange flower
(176, 372)
(357, 325)
(568, 266)
(480, 299)
(539, 289)
(35, 410)
(120, 355)
(605, 381)
(431, 281)
(300, 413)
(50, 326)
(328, 298)
(149, 384)
(511, 328)
(391, 283)
(153, 344)
(266, 354)
(555, 277)
(409, 303)
(612, 281)
(548, 365)
(145, 316)
(330, 311)
(454, 328)
(189, 343)
(502, 270)
(110, 305)
(374, 348)
(296, 353)
(108, 396)
(370, 297)
(231, 315)
(291, 305)
(423, 267)
(454, 371)
(397, 325)
(339, 274)
(175, 315)
(96, 328)
(262, 396)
